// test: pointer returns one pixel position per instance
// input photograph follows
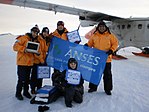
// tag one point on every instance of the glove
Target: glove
(109, 52)
(85, 46)
(37, 54)
(43, 64)
(77, 42)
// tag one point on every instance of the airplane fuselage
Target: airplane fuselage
(132, 33)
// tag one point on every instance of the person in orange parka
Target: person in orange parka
(60, 32)
(25, 62)
(103, 39)
(39, 60)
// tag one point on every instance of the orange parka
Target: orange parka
(105, 42)
(23, 58)
(43, 48)
(63, 36)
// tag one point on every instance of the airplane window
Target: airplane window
(128, 26)
(139, 26)
(148, 26)
(118, 26)
(123, 26)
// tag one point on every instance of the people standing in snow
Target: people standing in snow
(25, 62)
(39, 60)
(103, 39)
(60, 32)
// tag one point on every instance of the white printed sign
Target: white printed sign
(74, 36)
(73, 77)
(43, 72)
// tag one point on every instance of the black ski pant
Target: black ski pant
(35, 82)
(72, 94)
(23, 73)
(107, 79)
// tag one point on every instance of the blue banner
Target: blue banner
(91, 62)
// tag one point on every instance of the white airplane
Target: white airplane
(130, 31)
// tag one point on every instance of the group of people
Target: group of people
(28, 62)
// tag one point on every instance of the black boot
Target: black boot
(19, 96)
(108, 92)
(92, 90)
(69, 105)
(43, 108)
(92, 87)
(27, 95)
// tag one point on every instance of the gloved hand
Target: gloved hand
(109, 52)
(36, 54)
(77, 42)
(85, 46)
(42, 64)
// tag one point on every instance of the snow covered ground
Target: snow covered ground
(130, 81)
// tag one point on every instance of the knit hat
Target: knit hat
(60, 23)
(45, 29)
(35, 29)
(101, 23)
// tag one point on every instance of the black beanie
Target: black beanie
(35, 29)
(102, 23)
(60, 23)
(45, 29)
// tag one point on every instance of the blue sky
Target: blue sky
(18, 20)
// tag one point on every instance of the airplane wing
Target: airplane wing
(88, 18)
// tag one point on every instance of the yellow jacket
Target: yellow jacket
(63, 36)
(105, 42)
(43, 48)
(23, 58)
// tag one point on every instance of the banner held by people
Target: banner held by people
(91, 62)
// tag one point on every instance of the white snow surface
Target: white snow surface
(130, 85)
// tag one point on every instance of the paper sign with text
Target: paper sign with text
(73, 77)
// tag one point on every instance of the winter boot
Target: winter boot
(92, 87)
(27, 95)
(69, 105)
(92, 90)
(108, 92)
(43, 108)
(19, 96)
